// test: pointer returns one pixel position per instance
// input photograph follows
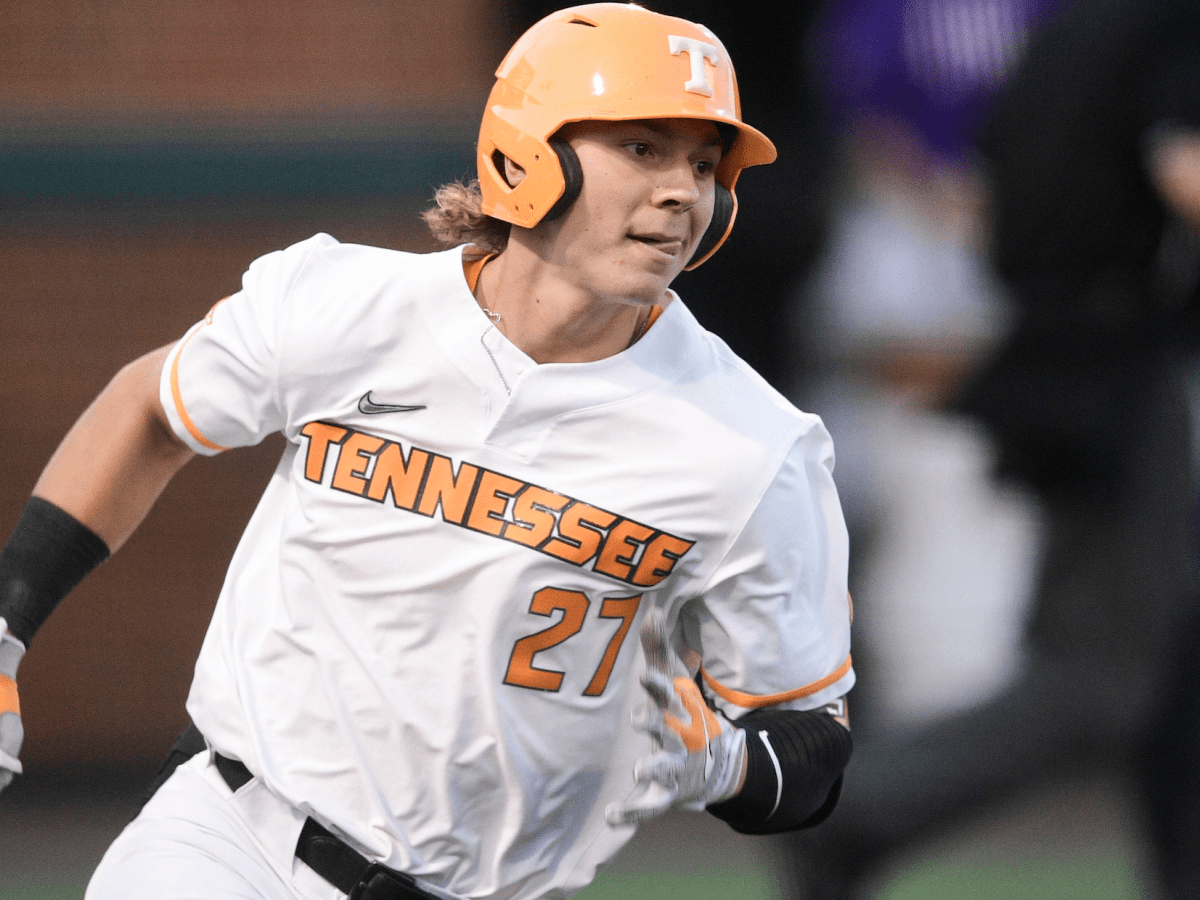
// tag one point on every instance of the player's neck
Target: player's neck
(549, 316)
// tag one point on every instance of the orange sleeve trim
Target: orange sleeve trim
(177, 397)
(757, 701)
(9, 702)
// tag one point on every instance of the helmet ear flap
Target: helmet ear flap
(572, 172)
(724, 204)
(718, 226)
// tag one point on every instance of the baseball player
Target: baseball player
(542, 558)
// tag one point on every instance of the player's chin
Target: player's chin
(642, 287)
(656, 263)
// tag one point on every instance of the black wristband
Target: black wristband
(50, 552)
(794, 763)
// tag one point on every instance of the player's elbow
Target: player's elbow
(794, 771)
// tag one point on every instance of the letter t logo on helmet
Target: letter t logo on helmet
(698, 52)
(609, 62)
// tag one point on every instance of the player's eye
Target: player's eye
(639, 148)
(706, 166)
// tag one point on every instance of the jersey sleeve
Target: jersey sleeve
(773, 624)
(219, 385)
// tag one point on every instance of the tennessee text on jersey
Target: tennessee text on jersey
(492, 503)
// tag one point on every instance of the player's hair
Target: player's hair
(457, 217)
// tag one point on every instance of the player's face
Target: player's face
(647, 198)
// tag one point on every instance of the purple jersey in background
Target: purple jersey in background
(930, 65)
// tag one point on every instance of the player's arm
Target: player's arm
(771, 771)
(794, 765)
(779, 608)
(96, 489)
(118, 457)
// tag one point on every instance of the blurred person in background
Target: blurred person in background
(1093, 185)
(901, 306)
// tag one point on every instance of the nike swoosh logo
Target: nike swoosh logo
(369, 407)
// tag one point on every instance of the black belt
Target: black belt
(332, 858)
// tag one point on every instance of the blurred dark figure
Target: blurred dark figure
(742, 294)
(1093, 160)
(900, 307)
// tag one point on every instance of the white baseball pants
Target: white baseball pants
(196, 840)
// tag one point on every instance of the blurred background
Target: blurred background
(150, 151)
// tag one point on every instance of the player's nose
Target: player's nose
(678, 185)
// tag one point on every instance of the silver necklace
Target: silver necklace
(495, 319)
(641, 330)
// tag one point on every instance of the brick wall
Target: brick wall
(81, 60)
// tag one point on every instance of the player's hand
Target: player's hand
(697, 757)
(12, 733)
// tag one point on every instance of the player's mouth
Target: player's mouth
(666, 244)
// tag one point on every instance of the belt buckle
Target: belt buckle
(378, 882)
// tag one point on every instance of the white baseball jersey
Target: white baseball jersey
(427, 637)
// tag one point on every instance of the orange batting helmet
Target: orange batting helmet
(606, 61)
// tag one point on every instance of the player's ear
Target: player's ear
(513, 173)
